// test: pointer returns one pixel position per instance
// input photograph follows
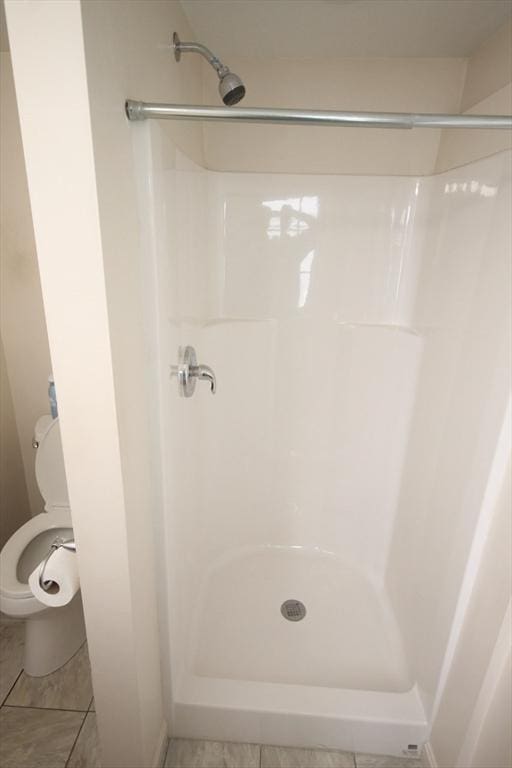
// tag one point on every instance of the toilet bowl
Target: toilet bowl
(52, 635)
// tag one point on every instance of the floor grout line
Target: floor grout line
(47, 709)
(76, 739)
(11, 688)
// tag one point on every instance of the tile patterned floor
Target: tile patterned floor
(45, 722)
(11, 656)
(279, 757)
(185, 753)
(68, 688)
(50, 722)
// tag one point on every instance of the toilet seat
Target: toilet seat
(16, 598)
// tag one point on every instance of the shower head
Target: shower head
(231, 88)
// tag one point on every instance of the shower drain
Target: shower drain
(293, 610)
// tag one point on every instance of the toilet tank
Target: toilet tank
(50, 473)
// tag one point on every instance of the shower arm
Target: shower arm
(205, 52)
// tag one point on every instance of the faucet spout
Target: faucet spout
(205, 373)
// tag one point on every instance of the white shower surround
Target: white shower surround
(345, 456)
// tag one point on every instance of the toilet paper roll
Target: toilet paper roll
(60, 575)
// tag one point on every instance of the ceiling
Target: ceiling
(333, 28)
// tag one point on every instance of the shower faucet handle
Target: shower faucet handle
(188, 371)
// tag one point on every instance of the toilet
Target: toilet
(52, 635)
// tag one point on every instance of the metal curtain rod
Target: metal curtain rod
(140, 110)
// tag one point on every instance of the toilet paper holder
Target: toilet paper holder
(56, 544)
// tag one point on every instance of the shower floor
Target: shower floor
(348, 638)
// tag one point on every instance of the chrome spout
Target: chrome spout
(205, 373)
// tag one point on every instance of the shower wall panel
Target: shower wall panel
(463, 315)
(173, 199)
(312, 285)
(299, 292)
(335, 248)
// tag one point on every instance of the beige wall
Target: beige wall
(22, 321)
(389, 85)
(79, 155)
(128, 54)
(464, 146)
(14, 505)
(480, 84)
(487, 91)
(489, 68)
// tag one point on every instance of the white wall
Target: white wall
(22, 321)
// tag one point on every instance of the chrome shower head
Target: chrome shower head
(231, 87)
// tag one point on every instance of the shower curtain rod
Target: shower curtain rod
(140, 110)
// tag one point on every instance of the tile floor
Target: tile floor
(45, 722)
(184, 753)
(50, 722)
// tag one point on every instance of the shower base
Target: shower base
(347, 639)
(335, 678)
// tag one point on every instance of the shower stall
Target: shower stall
(358, 328)
(324, 498)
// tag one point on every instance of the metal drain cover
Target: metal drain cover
(293, 610)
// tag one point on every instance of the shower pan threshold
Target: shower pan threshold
(300, 716)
